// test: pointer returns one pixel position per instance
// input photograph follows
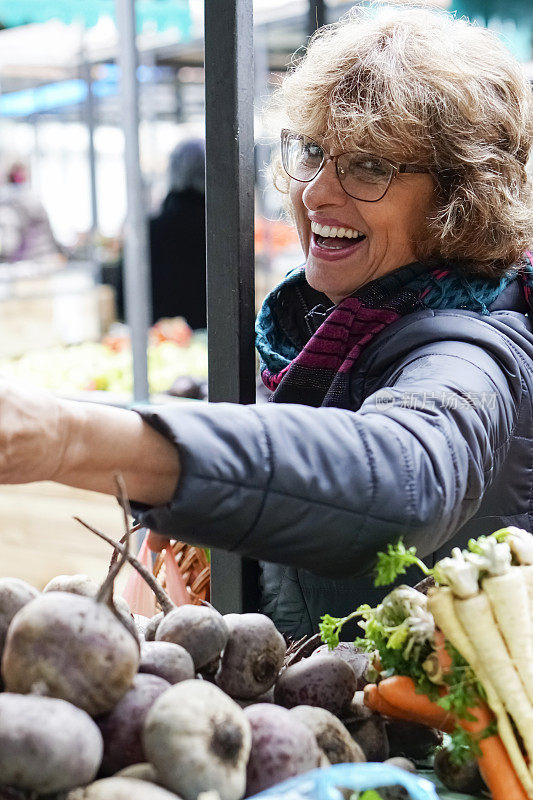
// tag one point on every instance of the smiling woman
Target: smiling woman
(400, 356)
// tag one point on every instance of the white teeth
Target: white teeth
(330, 231)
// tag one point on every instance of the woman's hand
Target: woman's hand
(33, 433)
(82, 444)
(156, 543)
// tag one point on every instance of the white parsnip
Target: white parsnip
(442, 606)
(477, 619)
(527, 572)
(520, 542)
(509, 600)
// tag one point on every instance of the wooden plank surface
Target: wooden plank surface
(39, 538)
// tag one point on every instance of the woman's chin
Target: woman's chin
(322, 278)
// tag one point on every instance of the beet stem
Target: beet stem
(162, 597)
(105, 593)
(114, 554)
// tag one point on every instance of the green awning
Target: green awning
(512, 19)
(162, 14)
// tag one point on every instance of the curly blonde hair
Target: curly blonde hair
(420, 86)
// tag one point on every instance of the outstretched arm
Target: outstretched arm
(82, 445)
(325, 488)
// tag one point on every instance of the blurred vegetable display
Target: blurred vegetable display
(174, 351)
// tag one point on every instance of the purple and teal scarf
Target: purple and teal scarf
(312, 365)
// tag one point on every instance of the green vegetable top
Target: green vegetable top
(395, 562)
(400, 628)
(487, 554)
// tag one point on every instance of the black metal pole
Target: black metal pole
(316, 15)
(230, 243)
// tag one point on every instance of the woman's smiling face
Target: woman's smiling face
(391, 229)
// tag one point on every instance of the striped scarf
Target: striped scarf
(317, 372)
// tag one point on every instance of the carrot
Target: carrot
(375, 701)
(494, 762)
(400, 691)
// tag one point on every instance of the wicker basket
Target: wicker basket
(193, 564)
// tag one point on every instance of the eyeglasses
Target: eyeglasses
(361, 175)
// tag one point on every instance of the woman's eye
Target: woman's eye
(312, 151)
(371, 168)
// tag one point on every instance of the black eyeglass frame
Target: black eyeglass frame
(396, 169)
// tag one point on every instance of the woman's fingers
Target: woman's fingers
(156, 543)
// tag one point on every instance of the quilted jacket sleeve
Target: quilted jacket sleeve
(324, 489)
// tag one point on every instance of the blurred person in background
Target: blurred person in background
(177, 242)
(25, 231)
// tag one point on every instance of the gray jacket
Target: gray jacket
(438, 447)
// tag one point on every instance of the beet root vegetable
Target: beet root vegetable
(201, 630)
(141, 772)
(266, 697)
(371, 736)
(353, 656)
(85, 586)
(46, 745)
(464, 778)
(252, 657)
(70, 647)
(401, 763)
(152, 626)
(332, 737)
(122, 727)
(397, 791)
(411, 740)
(324, 681)
(168, 660)
(198, 739)
(75, 584)
(282, 747)
(121, 789)
(140, 625)
(14, 594)
(358, 710)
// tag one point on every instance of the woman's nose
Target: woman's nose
(325, 189)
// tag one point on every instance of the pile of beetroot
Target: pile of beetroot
(97, 704)
(185, 703)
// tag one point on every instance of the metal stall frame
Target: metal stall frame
(316, 15)
(229, 98)
(136, 259)
(229, 104)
